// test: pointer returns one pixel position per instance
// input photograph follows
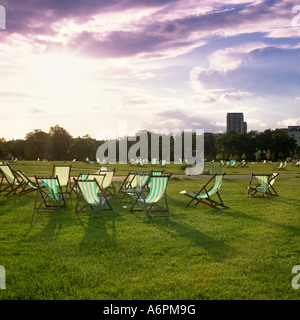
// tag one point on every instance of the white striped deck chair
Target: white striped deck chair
(27, 185)
(9, 181)
(141, 180)
(108, 184)
(63, 173)
(262, 187)
(52, 198)
(130, 182)
(271, 180)
(150, 202)
(211, 188)
(93, 200)
(81, 176)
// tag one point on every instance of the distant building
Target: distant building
(295, 132)
(235, 122)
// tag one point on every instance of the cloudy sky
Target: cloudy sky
(123, 65)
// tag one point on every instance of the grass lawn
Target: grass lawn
(244, 252)
(41, 168)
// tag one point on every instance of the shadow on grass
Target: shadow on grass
(215, 248)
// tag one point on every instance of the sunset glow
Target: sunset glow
(88, 65)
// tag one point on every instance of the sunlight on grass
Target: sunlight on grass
(244, 252)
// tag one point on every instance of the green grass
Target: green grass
(244, 252)
(40, 168)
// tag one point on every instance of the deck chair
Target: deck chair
(27, 185)
(204, 195)
(99, 177)
(108, 184)
(271, 180)
(262, 186)
(94, 200)
(153, 162)
(64, 177)
(283, 166)
(141, 179)
(52, 198)
(279, 166)
(129, 183)
(10, 178)
(81, 176)
(157, 172)
(150, 202)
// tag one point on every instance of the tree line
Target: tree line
(58, 144)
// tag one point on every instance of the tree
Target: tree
(60, 141)
(36, 145)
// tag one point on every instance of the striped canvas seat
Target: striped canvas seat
(213, 190)
(205, 194)
(63, 173)
(52, 198)
(138, 182)
(262, 187)
(81, 176)
(150, 202)
(27, 185)
(108, 184)
(129, 183)
(10, 179)
(272, 177)
(94, 200)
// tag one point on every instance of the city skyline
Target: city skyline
(87, 66)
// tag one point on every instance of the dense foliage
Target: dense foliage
(58, 144)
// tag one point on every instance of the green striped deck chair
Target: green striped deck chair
(9, 180)
(150, 202)
(52, 197)
(129, 183)
(283, 167)
(27, 185)
(142, 179)
(262, 187)
(210, 189)
(81, 176)
(108, 184)
(157, 172)
(99, 177)
(89, 193)
(63, 173)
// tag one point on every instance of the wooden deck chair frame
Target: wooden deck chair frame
(204, 195)
(64, 179)
(51, 194)
(129, 192)
(271, 180)
(27, 185)
(89, 192)
(261, 187)
(10, 177)
(149, 201)
(128, 183)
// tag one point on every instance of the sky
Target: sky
(111, 67)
